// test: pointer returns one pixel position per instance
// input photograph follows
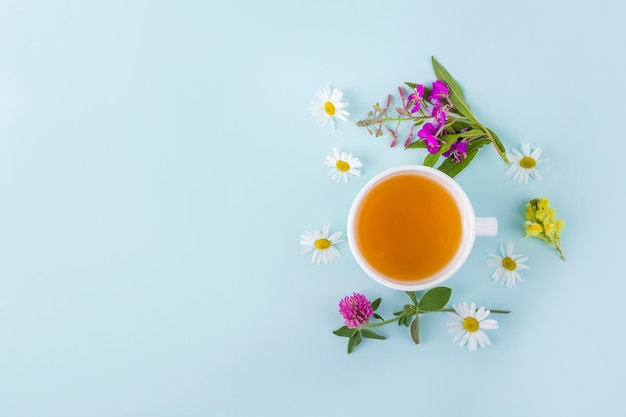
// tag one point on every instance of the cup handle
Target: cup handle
(486, 226)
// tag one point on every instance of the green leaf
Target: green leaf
(376, 315)
(345, 332)
(458, 125)
(478, 143)
(415, 330)
(354, 341)
(376, 303)
(412, 296)
(420, 144)
(435, 299)
(452, 168)
(443, 75)
(474, 133)
(431, 159)
(371, 335)
(498, 141)
(457, 98)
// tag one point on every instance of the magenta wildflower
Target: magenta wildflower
(356, 310)
(458, 150)
(427, 132)
(439, 91)
(416, 97)
(440, 114)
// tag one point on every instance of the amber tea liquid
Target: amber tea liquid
(408, 227)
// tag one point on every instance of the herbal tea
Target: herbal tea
(408, 227)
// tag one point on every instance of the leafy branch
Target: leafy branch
(449, 129)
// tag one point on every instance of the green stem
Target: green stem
(493, 141)
(382, 323)
(451, 310)
(558, 248)
(389, 119)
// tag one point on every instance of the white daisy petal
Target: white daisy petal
(498, 273)
(524, 164)
(329, 106)
(342, 164)
(317, 257)
(458, 336)
(334, 238)
(454, 316)
(472, 345)
(322, 245)
(536, 154)
(489, 324)
(482, 313)
(483, 339)
(466, 331)
(464, 339)
(507, 266)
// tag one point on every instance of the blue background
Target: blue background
(158, 163)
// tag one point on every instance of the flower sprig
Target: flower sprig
(541, 223)
(357, 311)
(447, 126)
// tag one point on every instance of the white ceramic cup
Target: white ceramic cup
(471, 226)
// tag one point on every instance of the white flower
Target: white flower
(322, 245)
(507, 264)
(343, 165)
(469, 326)
(329, 107)
(524, 164)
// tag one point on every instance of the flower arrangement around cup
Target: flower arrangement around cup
(441, 122)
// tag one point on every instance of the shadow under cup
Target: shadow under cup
(412, 227)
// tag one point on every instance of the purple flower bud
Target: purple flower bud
(408, 140)
(402, 93)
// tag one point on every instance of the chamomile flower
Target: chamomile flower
(322, 245)
(469, 324)
(343, 165)
(329, 107)
(507, 265)
(524, 164)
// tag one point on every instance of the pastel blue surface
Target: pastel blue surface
(158, 163)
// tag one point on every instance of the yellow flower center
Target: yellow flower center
(527, 162)
(342, 166)
(470, 324)
(322, 244)
(509, 264)
(329, 108)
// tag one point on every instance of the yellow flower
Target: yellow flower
(542, 223)
(533, 229)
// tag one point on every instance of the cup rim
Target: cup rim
(468, 222)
